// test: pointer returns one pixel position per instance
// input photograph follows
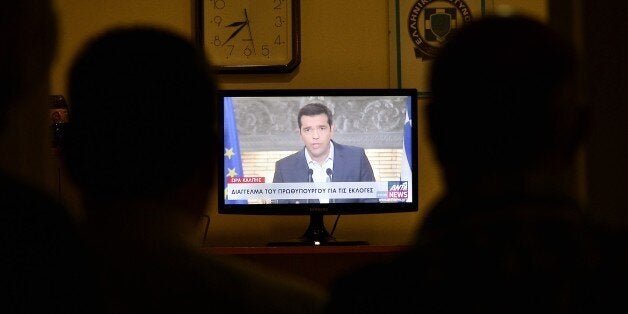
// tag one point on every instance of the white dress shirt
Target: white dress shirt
(320, 171)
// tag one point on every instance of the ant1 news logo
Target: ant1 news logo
(398, 189)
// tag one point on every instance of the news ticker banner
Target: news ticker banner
(247, 188)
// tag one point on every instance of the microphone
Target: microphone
(330, 173)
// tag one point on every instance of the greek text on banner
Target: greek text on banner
(305, 190)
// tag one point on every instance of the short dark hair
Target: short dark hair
(498, 97)
(142, 114)
(314, 109)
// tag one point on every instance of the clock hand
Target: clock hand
(249, 28)
(234, 24)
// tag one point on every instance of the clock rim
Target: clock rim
(198, 33)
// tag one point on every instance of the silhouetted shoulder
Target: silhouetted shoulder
(44, 264)
(177, 279)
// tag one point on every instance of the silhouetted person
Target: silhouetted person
(41, 263)
(141, 146)
(508, 235)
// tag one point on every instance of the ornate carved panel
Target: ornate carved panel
(271, 123)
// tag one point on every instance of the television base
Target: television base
(299, 242)
(317, 235)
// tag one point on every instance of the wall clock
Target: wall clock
(249, 36)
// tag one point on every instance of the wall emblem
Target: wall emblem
(431, 22)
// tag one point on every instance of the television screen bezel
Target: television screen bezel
(319, 208)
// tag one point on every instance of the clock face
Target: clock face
(251, 35)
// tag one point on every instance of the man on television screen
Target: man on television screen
(322, 160)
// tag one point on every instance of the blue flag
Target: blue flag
(406, 168)
(233, 159)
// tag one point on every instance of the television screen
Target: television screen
(319, 151)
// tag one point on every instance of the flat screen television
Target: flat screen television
(362, 161)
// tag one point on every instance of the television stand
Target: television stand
(317, 235)
(300, 242)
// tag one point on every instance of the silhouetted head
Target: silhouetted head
(29, 34)
(503, 96)
(142, 114)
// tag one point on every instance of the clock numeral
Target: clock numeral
(278, 41)
(216, 41)
(216, 20)
(277, 4)
(265, 51)
(278, 21)
(248, 51)
(230, 50)
(218, 4)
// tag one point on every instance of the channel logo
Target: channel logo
(398, 189)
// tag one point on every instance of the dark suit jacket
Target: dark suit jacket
(350, 165)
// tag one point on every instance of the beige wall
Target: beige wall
(344, 45)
